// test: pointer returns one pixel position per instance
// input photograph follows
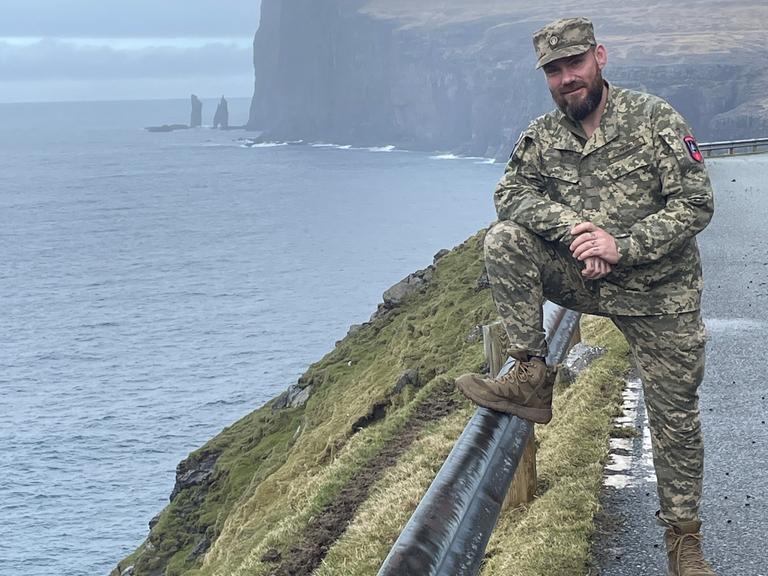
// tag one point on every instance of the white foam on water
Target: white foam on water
(477, 159)
(445, 157)
(262, 144)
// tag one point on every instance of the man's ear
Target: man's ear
(601, 55)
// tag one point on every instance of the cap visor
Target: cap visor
(562, 53)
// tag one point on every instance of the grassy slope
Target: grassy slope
(550, 537)
(667, 27)
(277, 468)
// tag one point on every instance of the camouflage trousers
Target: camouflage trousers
(668, 350)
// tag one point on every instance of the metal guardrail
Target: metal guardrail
(732, 147)
(450, 528)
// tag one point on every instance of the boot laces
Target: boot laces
(687, 548)
(521, 372)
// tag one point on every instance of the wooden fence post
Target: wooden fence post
(523, 488)
(495, 350)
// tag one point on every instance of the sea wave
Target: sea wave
(329, 145)
(388, 148)
(254, 144)
(478, 159)
(250, 143)
(445, 157)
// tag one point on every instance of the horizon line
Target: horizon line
(116, 101)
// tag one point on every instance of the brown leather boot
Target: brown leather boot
(684, 555)
(525, 391)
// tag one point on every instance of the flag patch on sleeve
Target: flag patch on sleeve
(693, 148)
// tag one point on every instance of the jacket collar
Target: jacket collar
(570, 135)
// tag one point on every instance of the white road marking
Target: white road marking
(619, 469)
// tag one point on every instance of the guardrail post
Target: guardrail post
(523, 488)
(494, 338)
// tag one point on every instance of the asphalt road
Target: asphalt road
(733, 396)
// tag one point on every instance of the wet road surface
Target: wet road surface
(734, 405)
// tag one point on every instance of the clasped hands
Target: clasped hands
(596, 248)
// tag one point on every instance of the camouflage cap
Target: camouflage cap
(562, 38)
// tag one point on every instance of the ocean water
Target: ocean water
(157, 287)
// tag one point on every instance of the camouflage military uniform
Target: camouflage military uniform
(638, 179)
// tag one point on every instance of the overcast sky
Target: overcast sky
(127, 49)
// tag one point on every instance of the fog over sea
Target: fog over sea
(157, 287)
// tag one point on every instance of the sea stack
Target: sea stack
(196, 118)
(221, 118)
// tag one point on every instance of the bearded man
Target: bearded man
(598, 211)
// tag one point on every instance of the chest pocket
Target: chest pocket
(628, 166)
(634, 187)
(563, 183)
(568, 174)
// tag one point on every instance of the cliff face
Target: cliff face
(459, 77)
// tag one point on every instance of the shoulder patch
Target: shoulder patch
(520, 138)
(693, 148)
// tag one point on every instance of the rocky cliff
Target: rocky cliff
(459, 76)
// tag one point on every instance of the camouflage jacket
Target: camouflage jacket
(640, 177)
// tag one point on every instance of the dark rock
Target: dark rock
(407, 378)
(166, 128)
(221, 117)
(201, 547)
(295, 396)
(354, 329)
(196, 470)
(411, 284)
(272, 555)
(381, 311)
(475, 335)
(440, 254)
(483, 283)
(579, 357)
(154, 521)
(196, 117)
(377, 413)
(395, 295)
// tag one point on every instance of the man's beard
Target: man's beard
(580, 109)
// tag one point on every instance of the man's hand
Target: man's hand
(592, 241)
(596, 268)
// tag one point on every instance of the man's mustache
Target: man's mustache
(572, 87)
